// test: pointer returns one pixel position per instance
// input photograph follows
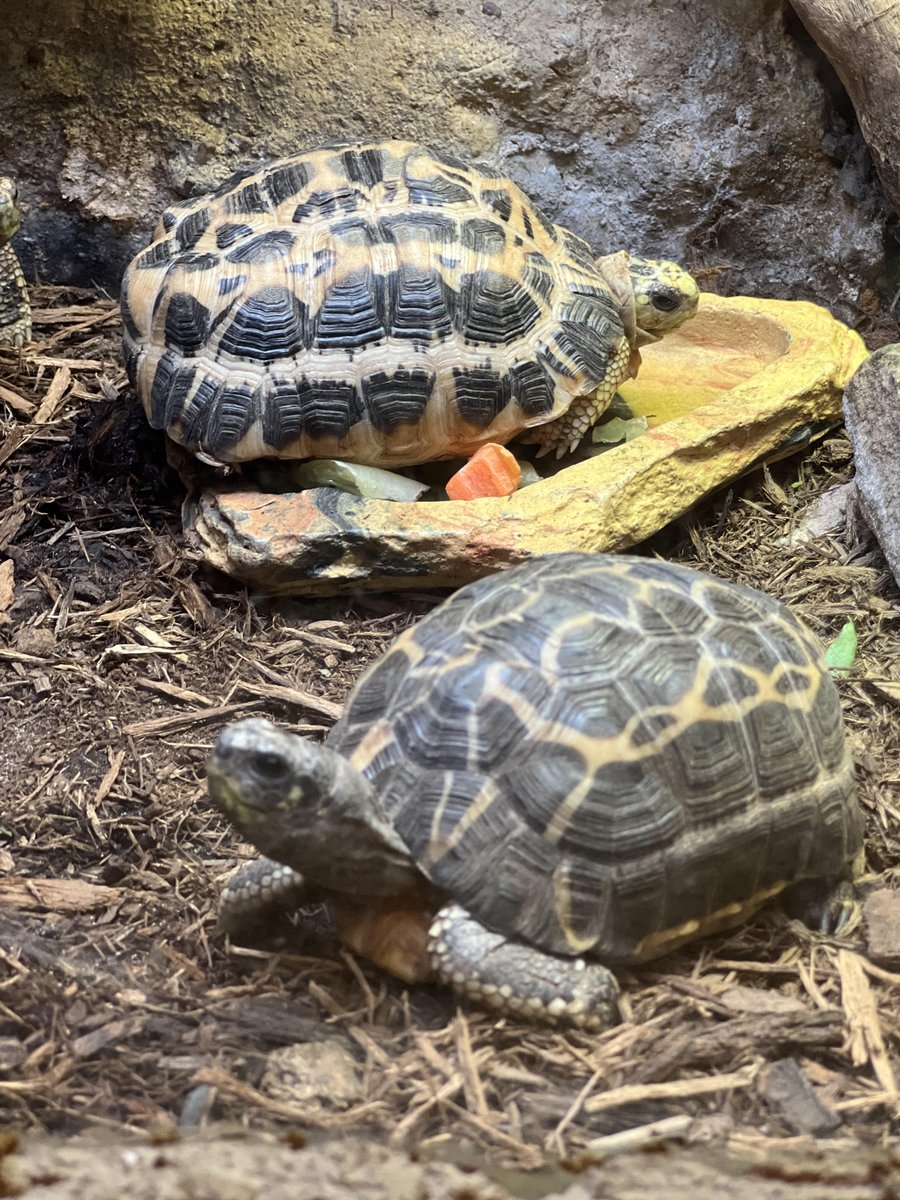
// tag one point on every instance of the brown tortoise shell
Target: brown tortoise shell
(378, 303)
(608, 755)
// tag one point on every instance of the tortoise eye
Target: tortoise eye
(269, 765)
(664, 301)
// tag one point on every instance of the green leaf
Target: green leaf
(374, 483)
(841, 653)
(618, 429)
(529, 472)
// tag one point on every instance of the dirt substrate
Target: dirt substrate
(122, 1012)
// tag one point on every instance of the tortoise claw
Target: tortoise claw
(840, 911)
(831, 909)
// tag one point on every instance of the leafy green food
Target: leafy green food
(618, 429)
(373, 483)
(841, 653)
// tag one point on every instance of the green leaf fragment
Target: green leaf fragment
(618, 429)
(529, 472)
(373, 483)
(841, 653)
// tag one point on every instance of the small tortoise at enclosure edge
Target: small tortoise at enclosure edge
(15, 309)
(584, 755)
(384, 304)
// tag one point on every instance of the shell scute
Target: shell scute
(265, 327)
(247, 200)
(422, 305)
(482, 236)
(320, 205)
(261, 248)
(480, 394)
(158, 255)
(499, 200)
(230, 232)
(532, 387)
(395, 400)
(284, 182)
(494, 309)
(330, 407)
(437, 191)
(352, 313)
(192, 228)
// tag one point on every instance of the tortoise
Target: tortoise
(585, 757)
(15, 309)
(385, 304)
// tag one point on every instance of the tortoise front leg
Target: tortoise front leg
(565, 433)
(260, 895)
(517, 979)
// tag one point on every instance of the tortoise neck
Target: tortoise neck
(353, 848)
(613, 269)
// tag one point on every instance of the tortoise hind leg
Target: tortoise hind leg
(15, 309)
(828, 907)
(517, 979)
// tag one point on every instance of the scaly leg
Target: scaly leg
(828, 906)
(584, 412)
(259, 898)
(517, 979)
(15, 308)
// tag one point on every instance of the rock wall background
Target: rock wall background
(711, 131)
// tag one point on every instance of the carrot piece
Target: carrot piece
(491, 471)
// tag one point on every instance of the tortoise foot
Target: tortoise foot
(829, 908)
(259, 896)
(519, 980)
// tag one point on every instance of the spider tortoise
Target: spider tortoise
(586, 757)
(384, 304)
(15, 309)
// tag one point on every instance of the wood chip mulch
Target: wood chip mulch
(120, 1006)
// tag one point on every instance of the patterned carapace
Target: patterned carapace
(376, 303)
(587, 754)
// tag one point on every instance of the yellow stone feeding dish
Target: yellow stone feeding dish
(742, 382)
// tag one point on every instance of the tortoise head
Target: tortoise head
(10, 215)
(306, 806)
(656, 296)
(665, 296)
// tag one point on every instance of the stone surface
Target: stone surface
(714, 134)
(872, 415)
(241, 1165)
(324, 1072)
(860, 38)
(827, 514)
(735, 385)
(881, 913)
(790, 1094)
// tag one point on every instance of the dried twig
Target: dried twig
(677, 1089)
